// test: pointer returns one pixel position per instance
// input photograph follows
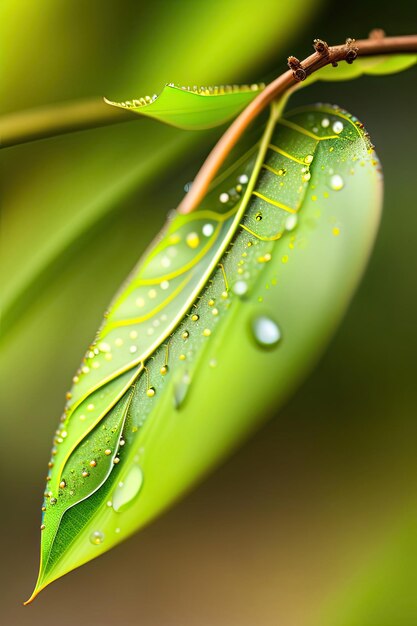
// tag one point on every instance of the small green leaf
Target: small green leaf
(233, 301)
(372, 66)
(193, 108)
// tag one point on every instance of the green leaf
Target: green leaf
(193, 108)
(263, 269)
(363, 66)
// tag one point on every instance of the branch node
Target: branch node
(376, 33)
(321, 47)
(298, 71)
(351, 50)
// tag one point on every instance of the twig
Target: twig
(376, 45)
(58, 119)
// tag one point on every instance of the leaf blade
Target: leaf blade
(162, 432)
(193, 108)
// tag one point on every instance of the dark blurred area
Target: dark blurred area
(314, 521)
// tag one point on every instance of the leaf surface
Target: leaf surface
(193, 108)
(264, 268)
(363, 66)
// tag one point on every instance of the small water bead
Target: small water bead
(96, 538)
(133, 349)
(258, 217)
(306, 177)
(243, 179)
(192, 240)
(224, 197)
(208, 230)
(266, 332)
(181, 389)
(164, 285)
(308, 159)
(188, 186)
(240, 287)
(152, 293)
(104, 347)
(195, 317)
(164, 370)
(337, 127)
(150, 392)
(207, 332)
(185, 334)
(336, 182)
(291, 222)
(325, 122)
(165, 262)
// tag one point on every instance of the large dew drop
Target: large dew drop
(265, 331)
(127, 490)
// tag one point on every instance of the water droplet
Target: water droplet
(164, 284)
(325, 122)
(187, 187)
(291, 222)
(208, 230)
(266, 332)
(243, 179)
(213, 362)
(224, 197)
(181, 388)
(192, 240)
(337, 127)
(336, 182)
(308, 159)
(127, 490)
(240, 287)
(96, 538)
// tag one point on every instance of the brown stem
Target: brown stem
(376, 45)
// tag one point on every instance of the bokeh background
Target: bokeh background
(314, 521)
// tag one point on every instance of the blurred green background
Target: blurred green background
(314, 521)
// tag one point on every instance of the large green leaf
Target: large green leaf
(265, 267)
(193, 108)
